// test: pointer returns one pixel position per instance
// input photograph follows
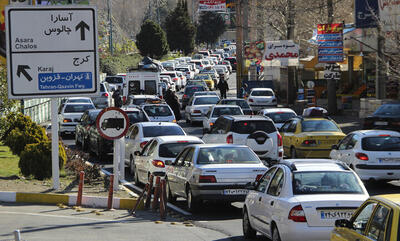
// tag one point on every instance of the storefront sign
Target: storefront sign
(281, 50)
(330, 42)
(212, 5)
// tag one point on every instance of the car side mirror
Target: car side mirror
(343, 223)
(169, 162)
(137, 153)
(250, 186)
(334, 147)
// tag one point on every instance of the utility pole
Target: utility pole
(110, 37)
(290, 94)
(331, 83)
(239, 46)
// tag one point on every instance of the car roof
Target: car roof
(394, 198)
(143, 96)
(314, 165)
(130, 108)
(222, 106)
(261, 89)
(246, 117)
(202, 96)
(77, 98)
(177, 138)
(236, 99)
(219, 145)
(78, 103)
(157, 124)
(273, 110)
(366, 133)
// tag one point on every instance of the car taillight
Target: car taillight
(142, 144)
(174, 121)
(251, 100)
(229, 139)
(158, 163)
(362, 156)
(297, 214)
(280, 142)
(197, 111)
(105, 94)
(207, 179)
(160, 96)
(67, 120)
(175, 79)
(259, 176)
(124, 99)
(211, 124)
(309, 143)
(185, 96)
(201, 65)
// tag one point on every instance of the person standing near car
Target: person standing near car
(223, 87)
(242, 91)
(172, 100)
(117, 97)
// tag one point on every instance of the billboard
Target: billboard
(330, 42)
(282, 50)
(212, 5)
(366, 12)
(389, 12)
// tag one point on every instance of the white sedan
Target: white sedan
(300, 199)
(260, 98)
(159, 112)
(198, 107)
(216, 111)
(372, 154)
(278, 115)
(160, 149)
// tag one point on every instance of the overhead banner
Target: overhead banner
(366, 13)
(282, 51)
(212, 5)
(330, 43)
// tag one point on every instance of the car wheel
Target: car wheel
(136, 177)
(248, 231)
(275, 234)
(293, 153)
(192, 202)
(170, 197)
(131, 166)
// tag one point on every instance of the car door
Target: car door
(287, 132)
(140, 163)
(172, 173)
(349, 152)
(148, 158)
(130, 141)
(183, 170)
(206, 120)
(338, 154)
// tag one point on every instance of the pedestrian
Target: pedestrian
(172, 100)
(117, 97)
(223, 87)
(242, 91)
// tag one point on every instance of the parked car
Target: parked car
(216, 111)
(376, 219)
(278, 115)
(159, 112)
(237, 101)
(212, 172)
(260, 98)
(386, 117)
(105, 99)
(300, 199)
(70, 114)
(373, 154)
(310, 137)
(87, 120)
(257, 132)
(139, 134)
(188, 93)
(198, 107)
(154, 155)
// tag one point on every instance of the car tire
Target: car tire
(248, 231)
(136, 177)
(192, 203)
(275, 234)
(293, 153)
(170, 197)
(131, 166)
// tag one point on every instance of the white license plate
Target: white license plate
(336, 214)
(235, 191)
(389, 160)
(381, 123)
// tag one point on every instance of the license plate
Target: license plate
(327, 142)
(336, 214)
(381, 123)
(389, 160)
(235, 191)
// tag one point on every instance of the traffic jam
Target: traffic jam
(295, 174)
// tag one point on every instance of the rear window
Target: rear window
(226, 111)
(77, 108)
(191, 90)
(280, 117)
(206, 101)
(93, 115)
(136, 116)
(171, 150)
(241, 103)
(152, 131)
(114, 80)
(139, 101)
(182, 69)
(325, 182)
(248, 127)
(154, 110)
(226, 155)
(262, 93)
(102, 89)
(388, 109)
(318, 125)
(381, 143)
(79, 101)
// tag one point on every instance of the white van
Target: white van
(142, 83)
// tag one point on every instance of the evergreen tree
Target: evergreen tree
(151, 40)
(211, 27)
(179, 28)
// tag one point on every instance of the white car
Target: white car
(153, 156)
(175, 78)
(256, 132)
(300, 199)
(185, 69)
(260, 98)
(183, 79)
(70, 114)
(159, 112)
(372, 154)
(139, 134)
(278, 115)
(75, 100)
(168, 80)
(198, 107)
(212, 172)
(216, 111)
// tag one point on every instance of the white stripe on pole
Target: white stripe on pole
(122, 158)
(116, 164)
(54, 144)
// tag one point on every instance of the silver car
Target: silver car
(105, 99)
(212, 172)
(198, 107)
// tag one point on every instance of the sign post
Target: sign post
(112, 123)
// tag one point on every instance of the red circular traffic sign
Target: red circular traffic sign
(112, 123)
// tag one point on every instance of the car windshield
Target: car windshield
(157, 110)
(329, 182)
(226, 155)
(191, 90)
(241, 103)
(318, 125)
(152, 131)
(226, 111)
(79, 101)
(220, 70)
(78, 108)
(381, 143)
(262, 93)
(202, 77)
(388, 109)
(136, 116)
(280, 117)
(196, 82)
(250, 126)
(206, 100)
(114, 80)
(171, 150)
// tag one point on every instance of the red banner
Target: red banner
(330, 28)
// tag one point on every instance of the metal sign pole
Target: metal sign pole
(54, 144)
(122, 158)
(116, 164)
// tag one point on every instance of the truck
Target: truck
(142, 83)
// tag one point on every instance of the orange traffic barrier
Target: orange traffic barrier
(80, 188)
(133, 211)
(110, 192)
(149, 191)
(156, 194)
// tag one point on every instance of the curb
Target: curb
(87, 201)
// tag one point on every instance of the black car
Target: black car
(87, 120)
(386, 117)
(188, 93)
(233, 62)
(237, 101)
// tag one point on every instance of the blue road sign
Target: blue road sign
(366, 13)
